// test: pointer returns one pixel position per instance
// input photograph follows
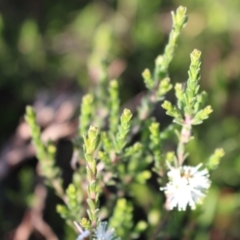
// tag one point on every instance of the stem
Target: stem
(184, 139)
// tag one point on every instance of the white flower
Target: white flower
(84, 235)
(103, 233)
(187, 185)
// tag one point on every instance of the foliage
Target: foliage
(112, 157)
(66, 43)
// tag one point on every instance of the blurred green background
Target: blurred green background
(57, 46)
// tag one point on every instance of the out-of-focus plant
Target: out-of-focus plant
(112, 166)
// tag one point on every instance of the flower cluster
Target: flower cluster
(102, 232)
(187, 186)
(84, 235)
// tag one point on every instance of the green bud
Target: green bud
(146, 74)
(195, 57)
(170, 157)
(149, 82)
(51, 149)
(179, 91)
(126, 115)
(202, 115)
(180, 18)
(86, 113)
(135, 149)
(172, 111)
(143, 176)
(159, 60)
(215, 159)
(85, 223)
(87, 99)
(167, 105)
(114, 84)
(181, 11)
(164, 87)
(207, 110)
(63, 211)
(93, 132)
(71, 189)
(101, 154)
(92, 140)
(141, 226)
(123, 129)
(154, 128)
(137, 146)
